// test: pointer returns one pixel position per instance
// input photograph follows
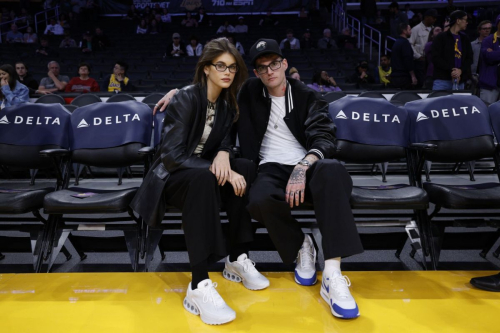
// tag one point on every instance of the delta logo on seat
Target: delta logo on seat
(97, 121)
(18, 120)
(446, 113)
(365, 116)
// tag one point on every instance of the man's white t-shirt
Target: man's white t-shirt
(279, 144)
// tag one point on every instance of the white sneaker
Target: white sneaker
(335, 291)
(305, 268)
(244, 270)
(208, 304)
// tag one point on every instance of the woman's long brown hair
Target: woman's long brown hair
(213, 50)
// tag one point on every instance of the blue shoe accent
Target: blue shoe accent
(305, 282)
(327, 287)
(345, 313)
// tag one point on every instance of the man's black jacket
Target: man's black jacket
(306, 116)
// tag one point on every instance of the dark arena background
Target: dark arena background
(74, 257)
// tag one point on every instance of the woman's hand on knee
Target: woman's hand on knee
(221, 168)
(239, 183)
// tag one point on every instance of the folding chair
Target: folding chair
(103, 135)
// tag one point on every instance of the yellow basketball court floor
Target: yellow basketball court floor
(402, 301)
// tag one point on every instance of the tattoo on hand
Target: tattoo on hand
(298, 176)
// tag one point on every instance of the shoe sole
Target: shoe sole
(191, 307)
(478, 286)
(231, 276)
(306, 285)
(326, 298)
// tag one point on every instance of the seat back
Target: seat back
(26, 129)
(405, 96)
(369, 130)
(372, 94)
(120, 98)
(110, 134)
(86, 99)
(152, 99)
(458, 125)
(439, 93)
(51, 99)
(333, 96)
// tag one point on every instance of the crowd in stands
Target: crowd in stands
(411, 64)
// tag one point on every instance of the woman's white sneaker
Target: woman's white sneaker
(335, 291)
(208, 304)
(243, 270)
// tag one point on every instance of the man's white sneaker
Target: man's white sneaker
(305, 267)
(335, 291)
(208, 304)
(243, 270)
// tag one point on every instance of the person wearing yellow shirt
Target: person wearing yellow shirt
(385, 70)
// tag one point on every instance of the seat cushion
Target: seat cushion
(95, 201)
(400, 196)
(22, 199)
(477, 196)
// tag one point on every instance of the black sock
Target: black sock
(200, 273)
(237, 250)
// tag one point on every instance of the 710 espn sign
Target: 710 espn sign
(222, 3)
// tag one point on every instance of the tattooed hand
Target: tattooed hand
(295, 189)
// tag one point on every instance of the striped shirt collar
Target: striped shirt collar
(288, 95)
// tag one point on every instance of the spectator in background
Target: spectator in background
(294, 73)
(225, 28)
(489, 81)
(189, 21)
(368, 9)
(203, 19)
(63, 21)
(452, 55)
(101, 41)
(43, 49)
(303, 13)
(132, 14)
(379, 18)
(268, 20)
(361, 75)
(446, 25)
(142, 28)
(408, 11)
(83, 83)
(484, 30)
(397, 17)
(416, 19)
(323, 82)
(87, 43)
(346, 40)
(241, 27)
(153, 27)
(14, 36)
(67, 41)
(385, 69)
(290, 42)
(30, 37)
(12, 92)
(177, 47)
(403, 74)
(53, 82)
(418, 39)
(429, 72)
(26, 78)
(166, 18)
(54, 28)
(326, 42)
(118, 81)
(236, 44)
(306, 42)
(194, 48)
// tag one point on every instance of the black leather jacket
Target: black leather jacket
(308, 119)
(182, 130)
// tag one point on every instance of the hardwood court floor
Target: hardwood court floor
(409, 301)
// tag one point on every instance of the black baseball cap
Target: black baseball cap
(264, 46)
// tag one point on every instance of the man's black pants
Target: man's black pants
(328, 187)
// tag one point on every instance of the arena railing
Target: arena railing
(374, 37)
(44, 16)
(341, 20)
(386, 44)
